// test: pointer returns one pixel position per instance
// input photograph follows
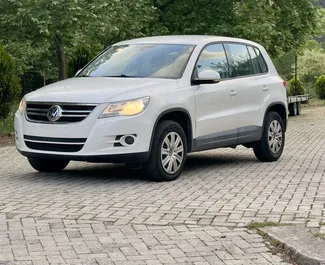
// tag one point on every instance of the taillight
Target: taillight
(284, 83)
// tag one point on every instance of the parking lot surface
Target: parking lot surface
(108, 214)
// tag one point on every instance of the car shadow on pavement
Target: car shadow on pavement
(218, 159)
(102, 172)
(121, 173)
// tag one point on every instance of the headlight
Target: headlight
(125, 108)
(21, 106)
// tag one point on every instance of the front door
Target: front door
(216, 104)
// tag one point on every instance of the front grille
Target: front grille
(54, 144)
(37, 112)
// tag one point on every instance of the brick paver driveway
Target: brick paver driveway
(106, 214)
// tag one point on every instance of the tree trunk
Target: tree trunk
(60, 56)
(296, 74)
(44, 80)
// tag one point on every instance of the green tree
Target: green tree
(79, 59)
(194, 17)
(311, 65)
(34, 31)
(296, 88)
(61, 25)
(320, 87)
(9, 83)
(284, 64)
(280, 25)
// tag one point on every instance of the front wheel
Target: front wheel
(48, 165)
(168, 152)
(271, 146)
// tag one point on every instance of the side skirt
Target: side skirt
(229, 138)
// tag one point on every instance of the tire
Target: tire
(298, 108)
(133, 166)
(264, 151)
(48, 165)
(154, 168)
(293, 109)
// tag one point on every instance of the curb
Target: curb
(302, 255)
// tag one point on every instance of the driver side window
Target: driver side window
(213, 57)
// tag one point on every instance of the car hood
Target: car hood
(98, 89)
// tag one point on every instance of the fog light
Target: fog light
(129, 140)
(125, 140)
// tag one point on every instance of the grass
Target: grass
(320, 235)
(276, 243)
(257, 225)
(316, 102)
(7, 125)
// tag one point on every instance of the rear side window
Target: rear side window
(261, 61)
(213, 57)
(240, 60)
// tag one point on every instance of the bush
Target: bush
(320, 87)
(79, 59)
(9, 84)
(300, 87)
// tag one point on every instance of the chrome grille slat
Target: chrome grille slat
(76, 111)
(36, 113)
(74, 116)
(71, 112)
(38, 110)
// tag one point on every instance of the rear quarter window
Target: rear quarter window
(261, 61)
(256, 65)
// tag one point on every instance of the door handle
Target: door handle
(265, 88)
(233, 93)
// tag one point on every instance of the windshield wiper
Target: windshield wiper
(124, 76)
(82, 76)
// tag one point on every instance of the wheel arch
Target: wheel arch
(182, 117)
(281, 109)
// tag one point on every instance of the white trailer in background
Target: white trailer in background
(294, 104)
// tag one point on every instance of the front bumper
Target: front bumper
(134, 158)
(101, 138)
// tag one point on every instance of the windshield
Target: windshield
(140, 60)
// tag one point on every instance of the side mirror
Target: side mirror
(78, 72)
(207, 77)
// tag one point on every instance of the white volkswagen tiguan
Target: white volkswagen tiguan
(151, 101)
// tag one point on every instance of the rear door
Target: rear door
(251, 89)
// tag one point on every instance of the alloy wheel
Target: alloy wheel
(275, 136)
(172, 153)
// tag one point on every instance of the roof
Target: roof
(184, 39)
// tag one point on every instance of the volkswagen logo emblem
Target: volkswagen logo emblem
(54, 113)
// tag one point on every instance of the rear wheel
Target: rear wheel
(168, 152)
(298, 108)
(293, 109)
(48, 165)
(270, 147)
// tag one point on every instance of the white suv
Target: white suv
(151, 101)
